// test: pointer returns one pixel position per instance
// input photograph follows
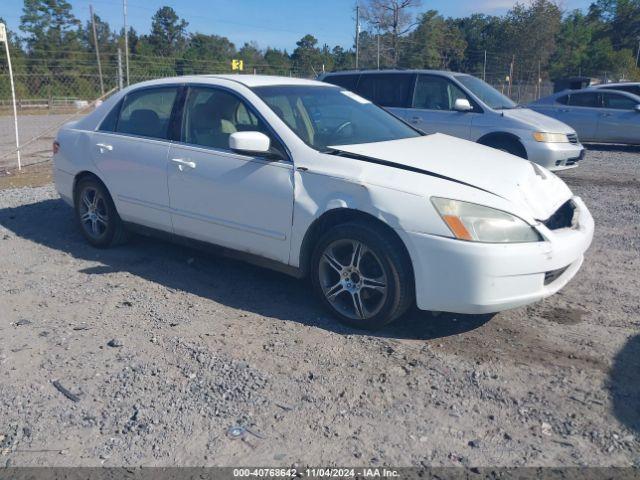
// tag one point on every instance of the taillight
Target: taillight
(56, 146)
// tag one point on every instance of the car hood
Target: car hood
(539, 121)
(519, 181)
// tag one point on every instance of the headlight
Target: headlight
(475, 223)
(550, 137)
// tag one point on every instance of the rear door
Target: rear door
(236, 200)
(433, 107)
(581, 111)
(130, 151)
(619, 121)
(391, 91)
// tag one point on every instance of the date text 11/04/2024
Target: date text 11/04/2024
(316, 472)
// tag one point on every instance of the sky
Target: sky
(271, 23)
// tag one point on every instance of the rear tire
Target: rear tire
(362, 275)
(96, 215)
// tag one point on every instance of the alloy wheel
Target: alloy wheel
(93, 212)
(353, 279)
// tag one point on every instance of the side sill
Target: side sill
(218, 250)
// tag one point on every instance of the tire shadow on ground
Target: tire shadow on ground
(624, 384)
(227, 281)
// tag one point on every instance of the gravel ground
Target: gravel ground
(161, 349)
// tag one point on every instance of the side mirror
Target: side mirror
(249, 142)
(462, 105)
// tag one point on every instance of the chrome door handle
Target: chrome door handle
(183, 163)
(104, 146)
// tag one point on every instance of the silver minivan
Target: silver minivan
(464, 106)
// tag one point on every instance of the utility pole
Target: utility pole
(539, 78)
(513, 60)
(126, 38)
(638, 54)
(119, 69)
(95, 42)
(378, 50)
(4, 37)
(484, 67)
(357, 34)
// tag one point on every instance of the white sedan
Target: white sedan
(316, 181)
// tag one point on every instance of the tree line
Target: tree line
(54, 52)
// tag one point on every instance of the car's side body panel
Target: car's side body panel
(232, 200)
(596, 123)
(266, 208)
(135, 169)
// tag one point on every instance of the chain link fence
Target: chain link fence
(45, 101)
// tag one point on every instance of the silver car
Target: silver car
(598, 115)
(631, 87)
(466, 107)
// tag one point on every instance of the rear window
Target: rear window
(345, 81)
(583, 100)
(387, 90)
(147, 112)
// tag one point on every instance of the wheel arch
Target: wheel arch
(83, 175)
(337, 216)
(492, 138)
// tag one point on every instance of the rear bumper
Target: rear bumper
(474, 278)
(64, 184)
(555, 156)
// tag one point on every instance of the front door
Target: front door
(433, 107)
(224, 197)
(619, 121)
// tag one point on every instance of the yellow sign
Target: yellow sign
(237, 65)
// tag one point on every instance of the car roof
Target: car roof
(249, 81)
(615, 84)
(444, 73)
(556, 95)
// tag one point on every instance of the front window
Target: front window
(327, 116)
(618, 102)
(485, 92)
(436, 93)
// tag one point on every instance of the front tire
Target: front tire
(514, 147)
(362, 275)
(96, 214)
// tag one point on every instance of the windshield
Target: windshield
(486, 93)
(328, 116)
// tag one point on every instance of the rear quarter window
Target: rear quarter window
(110, 121)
